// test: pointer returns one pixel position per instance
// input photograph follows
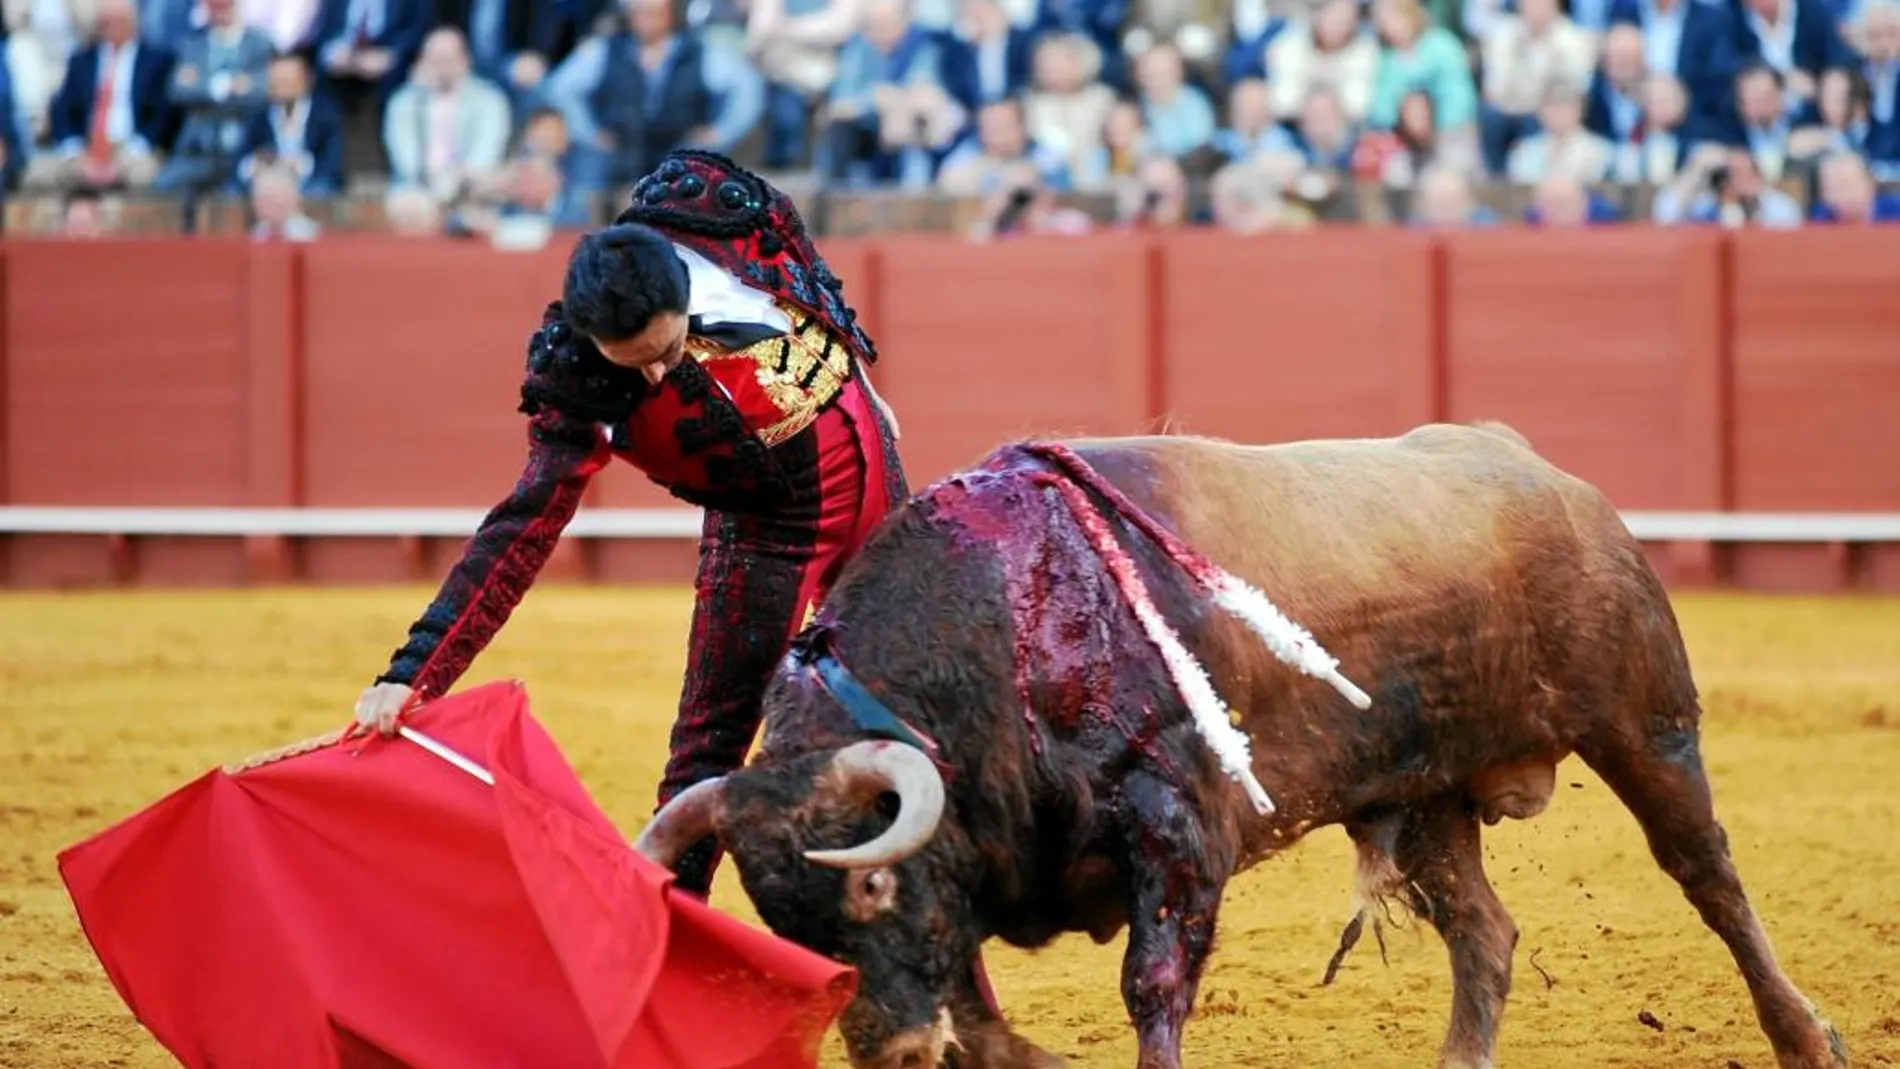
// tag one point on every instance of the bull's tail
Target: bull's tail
(1380, 892)
(1289, 641)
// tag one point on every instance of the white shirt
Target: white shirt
(718, 297)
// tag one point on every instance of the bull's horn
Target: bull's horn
(681, 822)
(895, 767)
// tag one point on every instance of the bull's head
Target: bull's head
(847, 852)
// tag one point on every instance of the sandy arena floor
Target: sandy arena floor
(109, 701)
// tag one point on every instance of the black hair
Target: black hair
(619, 278)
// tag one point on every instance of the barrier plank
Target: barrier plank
(1296, 336)
(1591, 344)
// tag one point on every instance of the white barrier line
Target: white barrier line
(685, 523)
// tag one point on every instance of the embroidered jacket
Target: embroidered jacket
(707, 432)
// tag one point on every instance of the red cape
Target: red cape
(367, 904)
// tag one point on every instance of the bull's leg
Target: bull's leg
(1660, 777)
(1174, 895)
(1439, 851)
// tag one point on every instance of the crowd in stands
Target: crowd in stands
(514, 117)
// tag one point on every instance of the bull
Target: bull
(982, 734)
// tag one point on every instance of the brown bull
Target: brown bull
(976, 739)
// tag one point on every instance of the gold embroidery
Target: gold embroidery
(800, 373)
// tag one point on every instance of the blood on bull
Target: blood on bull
(1011, 720)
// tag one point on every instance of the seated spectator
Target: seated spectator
(544, 136)
(1101, 21)
(1763, 127)
(1442, 198)
(111, 120)
(633, 93)
(37, 41)
(1245, 198)
(1523, 53)
(1322, 139)
(1419, 142)
(1847, 193)
(218, 83)
(1876, 34)
(1252, 25)
(83, 215)
(1842, 104)
(796, 45)
(296, 128)
(1023, 204)
(892, 116)
(1000, 148)
(1615, 108)
(1798, 40)
(1179, 117)
(1125, 145)
(514, 43)
(1327, 48)
(1156, 196)
(1561, 200)
(1658, 153)
(1420, 57)
(365, 49)
(994, 62)
(521, 206)
(277, 207)
(1562, 145)
(1250, 127)
(1066, 109)
(12, 141)
(412, 212)
(447, 128)
(1695, 41)
(1721, 185)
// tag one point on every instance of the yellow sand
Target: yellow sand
(108, 701)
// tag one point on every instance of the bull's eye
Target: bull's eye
(869, 893)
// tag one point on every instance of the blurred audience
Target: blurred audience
(365, 50)
(296, 127)
(1764, 124)
(447, 128)
(1420, 57)
(1722, 185)
(218, 84)
(1178, 116)
(892, 118)
(1562, 145)
(632, 92)
(1325, 47)
(112, 116)
(1066, 109)
(277, 207)
(1442, 198)
(1847, 193)
(1523, 54)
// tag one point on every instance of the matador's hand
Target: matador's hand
(380, 705)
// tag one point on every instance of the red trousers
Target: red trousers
(759, 575)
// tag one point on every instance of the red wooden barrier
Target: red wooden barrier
(1684, 369)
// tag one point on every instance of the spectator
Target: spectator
(892, 116)
(218, 83)
(1877, 35)
(1066, 110)
(1001, 147)
(12, 142)
(1024, 204)
(1327, 48)
(1250, 128)
(514, 43)
(1252, 25)
(1659, 150)
(297, 129)
(1842, 104)
(1419, 56)
(994, 63)
(1101, 21)
(1798, 40)
(1245, 198)
(1763, 122)
(291, 25)
(412, 213)
(1615, 110)
(796, 44)
(447, 128)
(1322, 137)
(1563, 145)
(1722, 185)
(633, 94)
(522, 208)
(1523, 53)
(1694, 40)
(1442, 198)
(544, 135)
(1418, 143)
(82, 215)
(168, 23)
(1178, 116)
(1847, 193)
(277, 207)
(39, 38)
(365, 48)
(110, 121)
(1561, 200)
(1124, 148)
(1156, 196)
